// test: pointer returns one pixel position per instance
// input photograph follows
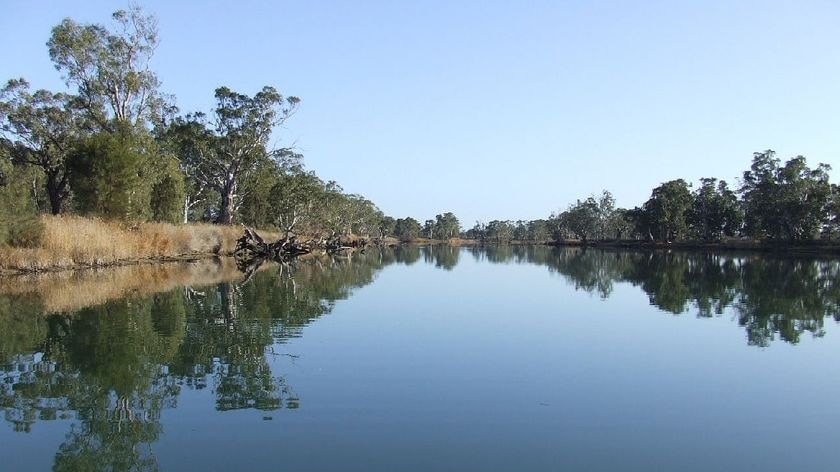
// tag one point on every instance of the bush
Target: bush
(108, 176)
(19, 223)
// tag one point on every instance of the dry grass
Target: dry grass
(72, 290)
(74, 242)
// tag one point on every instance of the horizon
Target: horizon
(611, 97)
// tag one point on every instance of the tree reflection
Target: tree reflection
(443, 256)
(111, 369)
(770, 295)
(115, 367)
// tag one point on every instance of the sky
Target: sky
(497, 110)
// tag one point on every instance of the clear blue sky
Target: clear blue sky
(498, 110)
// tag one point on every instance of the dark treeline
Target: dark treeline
(775, 201)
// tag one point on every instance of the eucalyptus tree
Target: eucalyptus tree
(784, 201)
(446, 226)
(429, 229)
(715, 210)
(606, 215)
(520, 230)
(582, 219)
(111, 68)
(294, 200)
(539, 230)
(387, 226)
(407, 229)
(832, 224)
(223, 152)
(499, 231)
(667, 209)
(478, 231)
(42, 126)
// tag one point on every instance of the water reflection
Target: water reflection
(771, 295)
(114, 366)
(110, 351)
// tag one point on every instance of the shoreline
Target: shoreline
(805, 248)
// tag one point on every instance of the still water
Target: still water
(510, 358)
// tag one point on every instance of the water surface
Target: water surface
(508, 358)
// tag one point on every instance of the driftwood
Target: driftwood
(252, 247)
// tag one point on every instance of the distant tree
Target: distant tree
(294, 200)
(499, 231)
(623, 224)
(520, 230)
(640, 221)
(225, 153)
(832, 224)
(363, 216)
(715, 210)
(667, 209)
(407, 229)
(255, 194)
(477, 232)
(387, 226)
(784, 202)
(539, 230)
(606, 216)
(429, 229)
(43, 126)
(446, 226)
(582, 219)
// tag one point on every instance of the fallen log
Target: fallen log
(252, 246)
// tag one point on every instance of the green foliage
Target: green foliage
(109, 176)
(42, 127)
(539, 230)
(446, 226)
(499, 231)
(832, 225)
(581, 219)
(785, 202)
(167, 197)
(407, 229)
(110, 68)
(225, 154)
(715, 211)
(387, 226)
(667, 209)
(256, 207)
(19, 222)
(295, 201)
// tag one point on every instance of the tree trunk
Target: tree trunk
(56, 191)
(186, 209)
(227, 209)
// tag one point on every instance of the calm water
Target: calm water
(429, 359)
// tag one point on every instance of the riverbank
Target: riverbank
(73, 242)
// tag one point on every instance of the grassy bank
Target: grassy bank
(72, 242)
